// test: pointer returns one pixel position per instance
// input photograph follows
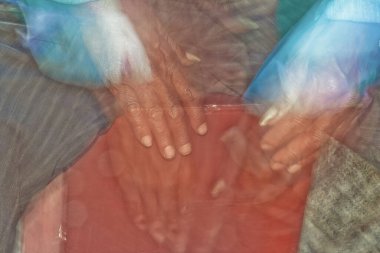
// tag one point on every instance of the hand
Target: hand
(294, 140)
(150, 186)
(160, 108)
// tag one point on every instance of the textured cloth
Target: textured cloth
(343, 209)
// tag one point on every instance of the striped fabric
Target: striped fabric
(44, 127)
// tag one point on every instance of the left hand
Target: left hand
(159, 108)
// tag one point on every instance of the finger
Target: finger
(175, 117)
(351, 120)
(185, 58)
(237, 146)
(295, 168)
(186, 188)
(283, 131)
(298, 149)
(126, 176)
(150, 199)
(147, 183)
(169, 45)
(191, 100)
(134, 113)
(179, 129)
(274, 114)
(154, 113)
(168, 198)
(131, 194)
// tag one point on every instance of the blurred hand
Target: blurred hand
(294, 140)
(161, 108)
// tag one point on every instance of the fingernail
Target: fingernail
(169, 152)
(146, 141)
(218, 188)
(240, 25)
(278, 166)
(156, 230)
(266, 147)
(268, 116)
(202, 129)
(192, 57)
(140, 222)
(185, 149)
(249, 24)
(294, 168)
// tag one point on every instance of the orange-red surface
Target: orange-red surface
(93, 213)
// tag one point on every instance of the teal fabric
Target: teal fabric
(322, 60)
(73, 1)
(56, 41)
(289, 12)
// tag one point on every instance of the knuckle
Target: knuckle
(176, 112)
(300, 121)
(191, 95)
(292, 154)
(133, 108)
(317, 137)
(172, 98)
(156, 113)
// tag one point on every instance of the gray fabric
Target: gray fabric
(365, 140)
(232, 39)
(343, 209)
(44, 127)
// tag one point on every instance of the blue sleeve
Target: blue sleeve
(55, 40)
(73, 1)
(332, 53)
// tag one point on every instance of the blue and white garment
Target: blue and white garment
(84, 42)
(327, 61)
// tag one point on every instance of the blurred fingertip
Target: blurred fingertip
(157, 232)
(294, 168)
(185, 149)
(140, 222)
(169, 152)
(191, 57)
(202, 129)
(147, 141)
(266, 147)
(268, 116)
(278, 166)
(218, 188)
